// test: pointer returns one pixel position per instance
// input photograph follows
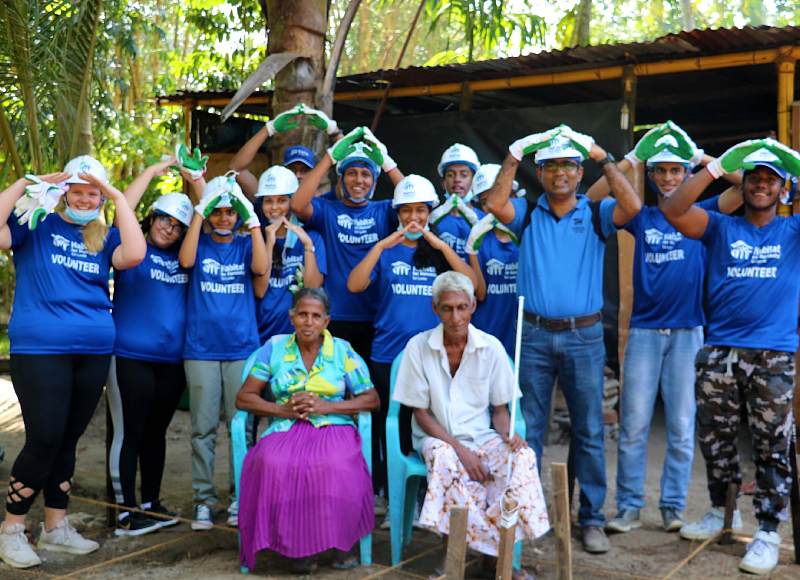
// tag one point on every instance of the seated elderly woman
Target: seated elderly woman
(459, 382)
(305, 486)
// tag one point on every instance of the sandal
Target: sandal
(344, 561)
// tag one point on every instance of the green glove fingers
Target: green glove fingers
(36, 217)
(733, 159)
(374, 153)
(211, 205)
(344, 146)
(647, 145)
(789, 158)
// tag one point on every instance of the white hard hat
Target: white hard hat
(414, 189)
(177, 205)
(223, 186)
(766, 158)
(277, 180)
(458, 154)
(559, 148)
(665, 155)
(358, 155)
(85, 164)
(484, 178)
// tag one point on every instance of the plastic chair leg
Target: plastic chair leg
(397, 500)
(244, 570)
(365, 546)
(517, 555)
(410, 508)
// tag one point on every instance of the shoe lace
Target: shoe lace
(758, 547)
(18, 541)
(203, 512)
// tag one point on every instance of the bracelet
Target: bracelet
(609, 158)
(312, 249)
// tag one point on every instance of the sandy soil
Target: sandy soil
(178, 553)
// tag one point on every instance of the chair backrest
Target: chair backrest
(248, 364)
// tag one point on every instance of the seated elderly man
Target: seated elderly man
(459, 382)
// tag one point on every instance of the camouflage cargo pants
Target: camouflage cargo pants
(763, 381)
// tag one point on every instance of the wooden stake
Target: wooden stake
(456, 544)
(730, 507)
(562, 523)
(505, 555)
(795, 502)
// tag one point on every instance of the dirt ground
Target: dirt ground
(177, 553)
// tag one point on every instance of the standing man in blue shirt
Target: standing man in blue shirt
(561, 277)
(748, 357)
(666, 328)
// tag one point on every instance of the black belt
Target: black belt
(558, 324)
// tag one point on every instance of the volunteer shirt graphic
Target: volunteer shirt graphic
(61, 302)
(753, 282)
(495, 315)
(221, 321)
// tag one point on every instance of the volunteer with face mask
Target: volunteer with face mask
(61, 334)
(350, 226)
(402, 268)
(494, 257)
(295, 258)
(456, 216)
(221, 327)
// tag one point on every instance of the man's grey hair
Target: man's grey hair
(452, 282)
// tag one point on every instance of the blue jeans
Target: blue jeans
(657, 361)
(577, 358)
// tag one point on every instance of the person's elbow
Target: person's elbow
(355, 285)
(372, 401)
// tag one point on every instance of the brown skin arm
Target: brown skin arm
(628, 203)
(731, 199)
(242, 160)
(306, 404)
(501, 421)
(301, 200)
(600, 188)
(480, 286)
(498, 198)
(680, 211)
(249, 399)
(429, 424)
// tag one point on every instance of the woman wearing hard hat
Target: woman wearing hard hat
(296, 258)
(61, 334)
(402, 267)
(494, 257)
(147, 378)
(221, 327)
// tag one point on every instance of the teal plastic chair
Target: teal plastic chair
(239, 448)
(406, 472)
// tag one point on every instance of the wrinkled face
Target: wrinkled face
(165, 231)
(457, 179)
(417, 212)
(223, 218)
(358, 181)
(299, 169)
(275, 206)
(762, 188)
(668, 176)
(455, 310)
(560, 177)
(309, 319)
(83, 196)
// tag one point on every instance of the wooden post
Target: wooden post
(730, 507)
(795, 498)
(785, 64)
(508, 532)
(456, 544)
(562, 523)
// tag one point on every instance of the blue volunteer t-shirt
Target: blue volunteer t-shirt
(150, 308)
(668, 272)
(221, 307)
(272, 311)
(61, 301)
(561, 259)
(454, 231)
(753, 282)
(349, 233)
(497, 314)
(404, 303)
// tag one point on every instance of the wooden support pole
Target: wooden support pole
(456, 544)
(786, 68)
(562, 523)
(505, 555)
(730, 507)
(795, 498)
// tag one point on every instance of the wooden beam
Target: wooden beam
(562, 523)
(786, 69)
(730, 508)
(456, 544)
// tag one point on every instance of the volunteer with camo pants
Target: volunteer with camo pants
(749, 353)
(61, 335)
(220, 327)
(561, 277)
(666, 328)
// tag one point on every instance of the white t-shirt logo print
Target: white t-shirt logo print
(60, 241)
(741, 250)
(211, 266)
(344, 221)
(653, 236)
(400, 268)
(494, 267)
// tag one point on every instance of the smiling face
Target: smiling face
(309, 319)
(83, 196)
(275, 207)
(762, 188)
(560, 177)
(417, 212)
(358, 181)
(223, 218)
(457, 179)
(667, 176)
(165, 231)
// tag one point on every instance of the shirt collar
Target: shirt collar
(474, 339)
(543, 202)
(292, 350)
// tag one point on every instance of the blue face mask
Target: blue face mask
(82, 216)
(413, 236)
(223, 233)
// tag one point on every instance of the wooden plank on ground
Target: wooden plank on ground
(456, 544)
(562, 523)
(730, 507)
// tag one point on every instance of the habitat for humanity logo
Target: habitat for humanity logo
(344, 221)
(60, 241)
(741, 250)
(449, 239)
(400, 268)
(494, 267)
(211, 266)
(653, 236)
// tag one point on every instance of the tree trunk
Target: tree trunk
(581, 34)
(687, 16)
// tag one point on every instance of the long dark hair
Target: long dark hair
(426, 256)
(277, 258)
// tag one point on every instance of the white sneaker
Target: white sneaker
(233, 514)
(710, 524)
(65, 538)
(15, 549)
(762, 553)
(202, 518)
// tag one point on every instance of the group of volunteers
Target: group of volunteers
(313, 297)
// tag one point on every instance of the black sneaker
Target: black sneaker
(165, 519)
(135, 524)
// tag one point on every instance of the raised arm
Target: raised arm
(359, 279)
(134, 192)
(244, 157)
(188, 252)
(679, 208)
(8, 198)
(600, 189)
(301, 200)
(453, 259)
(499, 202)
(628, 202)
(480, 281)
(312, 277)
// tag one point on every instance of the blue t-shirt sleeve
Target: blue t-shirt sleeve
(112, 241)
(635, 225)
(520, 209)
(714, 219)
(319, 251)
(317, 220)
(607, 216)
(261, 369)
(18, 233)
(710, 204)
(247, 251)
(356, 373)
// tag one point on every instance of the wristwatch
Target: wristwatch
(609, 158)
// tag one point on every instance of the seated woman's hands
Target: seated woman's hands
(304, 404)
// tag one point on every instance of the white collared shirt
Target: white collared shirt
(459, 403)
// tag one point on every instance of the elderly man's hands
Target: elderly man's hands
(472, 463)
(305, 404)
(516, 442)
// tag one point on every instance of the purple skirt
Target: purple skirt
(304, 491)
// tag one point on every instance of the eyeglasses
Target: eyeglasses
(565, 166)
(170, 224)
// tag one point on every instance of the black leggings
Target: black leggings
(58, 395)
(142, 398)
(381, 373)
(359, 334)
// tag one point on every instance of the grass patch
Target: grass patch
(3, 342)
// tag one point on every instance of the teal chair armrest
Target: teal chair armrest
(238, 444)
(365, 430)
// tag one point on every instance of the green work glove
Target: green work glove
(382, 158)
(478, 232)
(647, 146)
(207, 205)
(321, 121)
(687, 148)
(195, 164)
(39, 201)
(789, 158)
(286, 121)
(532, 143)
(299, 281)
(245, 209)
(344, 146)
(581, 141)
(733, 159)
